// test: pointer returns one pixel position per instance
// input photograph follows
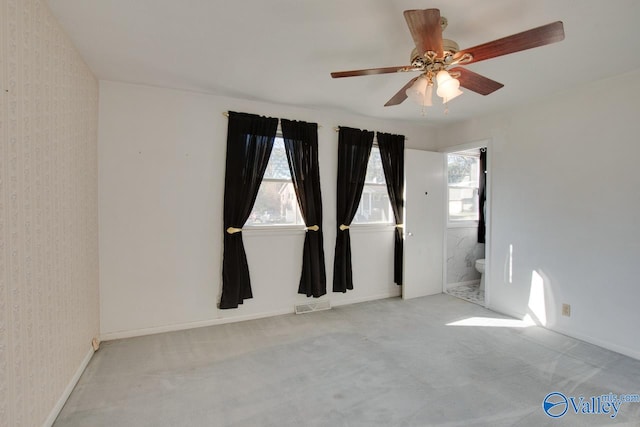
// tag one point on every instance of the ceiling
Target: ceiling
(282, 51)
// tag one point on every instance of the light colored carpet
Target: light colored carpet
(383, 363)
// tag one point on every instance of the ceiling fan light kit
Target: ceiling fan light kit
(434, 57)
(421, 92)
(448, 87)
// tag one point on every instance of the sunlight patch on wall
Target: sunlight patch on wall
(510, 263)
(536, 304)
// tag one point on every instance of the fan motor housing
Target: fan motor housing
(449, 48)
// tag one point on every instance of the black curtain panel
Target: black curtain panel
(482, 195)
(392, 155)
(354, 148)
(301, 145)
(249, 144)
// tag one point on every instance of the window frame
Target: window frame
(377, 224)
(461, 223)
(278, 227)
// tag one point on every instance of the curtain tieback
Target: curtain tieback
(343, 227)
(400, 225)
(233, 230)
(312, 228)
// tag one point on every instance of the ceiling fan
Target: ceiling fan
(434, 58)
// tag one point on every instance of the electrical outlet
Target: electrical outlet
(566, 310)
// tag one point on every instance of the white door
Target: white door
(424, 223)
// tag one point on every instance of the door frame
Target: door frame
(487, 219)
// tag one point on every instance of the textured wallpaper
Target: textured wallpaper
(48, 212)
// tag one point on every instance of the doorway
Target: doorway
(466, 218)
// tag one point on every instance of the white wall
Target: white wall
(162, 158)
(565, 196)
(48, 214)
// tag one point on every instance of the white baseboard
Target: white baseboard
(600, 343)
(68, 389)
(506, 311)
(109, 336)
(365, 299)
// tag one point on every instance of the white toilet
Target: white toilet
(480, 268)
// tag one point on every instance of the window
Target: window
(276, 203)
(375, 207)
(463, 181)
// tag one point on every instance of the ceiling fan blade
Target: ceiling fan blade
(399, 97)
(371, 71)
(476, 82)
(536, 37)
(425, 29)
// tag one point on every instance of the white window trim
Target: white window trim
(274, 229)
(461, 223)
(280, 229)
(376, 225)
(372, 227)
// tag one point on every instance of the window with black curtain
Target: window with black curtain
(301, 145)
(249, 144)
(392, 156)
(354, 148)
(482, 195)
